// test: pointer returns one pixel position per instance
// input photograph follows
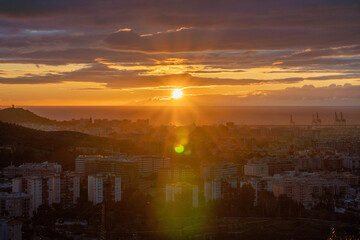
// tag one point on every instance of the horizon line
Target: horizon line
(20, 106)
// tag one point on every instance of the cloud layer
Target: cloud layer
(145, 44)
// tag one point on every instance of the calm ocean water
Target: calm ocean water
(203, 115)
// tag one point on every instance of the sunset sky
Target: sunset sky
(219, 52)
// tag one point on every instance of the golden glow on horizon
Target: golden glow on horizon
(177, 93)
(97, 94)
(78, 93)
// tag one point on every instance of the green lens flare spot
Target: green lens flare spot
(179, 148)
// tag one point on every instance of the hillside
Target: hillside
(20, 115)
(35, 146)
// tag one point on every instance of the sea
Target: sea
(203, 115)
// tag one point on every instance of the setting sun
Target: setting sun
(177, 93)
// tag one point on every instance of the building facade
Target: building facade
(101, 185)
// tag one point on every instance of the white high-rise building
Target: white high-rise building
(187, 191)
(32, 169)
(256, 169)
(195, 192)
(64, 189)
(117, 189)
(54, 186)
(171, 192)
(81, 160)
(10, 229)
(95, 188)
(14, 204)
(17, 185)
(212, 190)
(220, 170)
(149, 164)
(75, 188)
(86, 165)
(34, 189)
(53, 189)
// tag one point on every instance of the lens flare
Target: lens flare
(179, 149)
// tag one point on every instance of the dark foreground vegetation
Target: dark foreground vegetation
(141, 216)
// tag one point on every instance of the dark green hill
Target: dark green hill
(20, 115)
(60, 146)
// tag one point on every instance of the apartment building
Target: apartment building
(118, 165)
(104, 185)
(182, 192)
(32, 169)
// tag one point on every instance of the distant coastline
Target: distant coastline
(250, 115)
